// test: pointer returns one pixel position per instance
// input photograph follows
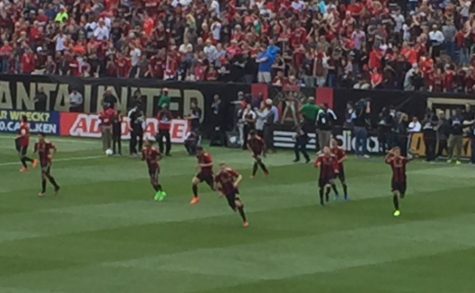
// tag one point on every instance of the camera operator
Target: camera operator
(361, 122)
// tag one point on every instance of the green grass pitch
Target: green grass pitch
(104, 233)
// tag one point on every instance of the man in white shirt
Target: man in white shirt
(135, 54)
(414, 125)
(101, 33)
(75, 101)
(210, 51)
(436, 38)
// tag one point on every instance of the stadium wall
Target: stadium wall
(17, 93)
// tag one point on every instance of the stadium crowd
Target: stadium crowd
(411, 45)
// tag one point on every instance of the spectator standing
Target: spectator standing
(108, 99)
(76, 101)
(261, 118)
(135, 55)
(265, 62)
(269, 125)
(456, 137)
(309, 112)
(164, 99)
(360, 130)
(325, 120)
(436, 38)
(195, 117)
(217, 122)
(301, 141)
(443, 132)
(164, 118)
(249, 118)
(136, 121)
(117, 133)
(430, 135)
(40, 100)
(106, 117)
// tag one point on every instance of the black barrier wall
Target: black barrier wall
(18, 92)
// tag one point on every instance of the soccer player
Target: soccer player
(21, 143)
(328, 164)
(257, 146)
(152, 157)
(398, 183)
(341, 157)
(227, 183)
(205, 164)
(46, 150)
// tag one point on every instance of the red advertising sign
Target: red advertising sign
(88, 125)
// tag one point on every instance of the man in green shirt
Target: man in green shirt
(164, 99)
(309, 113)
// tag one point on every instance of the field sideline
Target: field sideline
(104, 233)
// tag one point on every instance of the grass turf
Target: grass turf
(104, 233)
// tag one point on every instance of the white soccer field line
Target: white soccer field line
(72, 140)
(58, 160)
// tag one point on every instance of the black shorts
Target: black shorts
(206, 177)
(257, 155)
(324, 181)
(341, 175)
(399, 186)
(232, 197)
(153, 173)
(46, 168)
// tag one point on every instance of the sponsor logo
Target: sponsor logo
(84, 125)
(45, 122)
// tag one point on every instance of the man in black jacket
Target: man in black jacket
(217, 122)
(136, 120)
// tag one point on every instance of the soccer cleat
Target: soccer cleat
(449, 161)
(23, 170)
(162, 196)
(41, 194)
(157, 196)
(195, 200)
(35, 163)
(266, 173)
(252, 177)
(347, 197)
(56, 190)
(397, 213)
(458, 162)
(245, 224)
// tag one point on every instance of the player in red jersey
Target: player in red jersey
(21, 143)
(257, 147)
(227, 183)
(328, 164)
(152, 157)
(341, 157)
(205, 163)
(46, 150)
(398, 182)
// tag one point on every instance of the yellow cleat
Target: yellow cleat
(397, 213)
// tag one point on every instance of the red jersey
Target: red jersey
(151, 156)
(226, 180)
(107, 116)
(339, 153)
(257, 145)
(44, 152)
(164, 118)
(328, 166)
(205, 158)
(398, 166)
(24, 134)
